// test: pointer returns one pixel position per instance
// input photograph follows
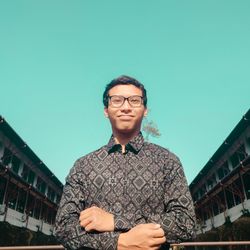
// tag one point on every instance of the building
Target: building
(29, 191)
(221, 190)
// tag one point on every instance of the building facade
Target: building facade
(221, 191)
(29, 191)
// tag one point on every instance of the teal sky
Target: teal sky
(57, 56)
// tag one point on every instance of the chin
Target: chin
(126, 130)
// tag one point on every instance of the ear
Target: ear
(106, 112)
(145, 112)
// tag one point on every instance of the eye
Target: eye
(135, 100)
(116, 99)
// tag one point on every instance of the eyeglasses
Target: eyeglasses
(135, 101)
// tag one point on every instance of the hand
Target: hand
(144, 236)
(95, 218)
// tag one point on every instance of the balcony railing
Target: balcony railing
(51, 247)
(208, 244)
(176, 246)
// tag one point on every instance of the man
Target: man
(129, 194)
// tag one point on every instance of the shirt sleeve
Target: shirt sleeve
(127, 221)
(177, 216)
(67, 228)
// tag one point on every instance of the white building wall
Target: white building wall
(20, 220)
(234, 213)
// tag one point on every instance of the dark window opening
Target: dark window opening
(31, 177)
(37, 209)
(25, 172)
(21, 200)
(7, 156)
(223, 170)
(229, 198)
(30, 205)
(238, 156)
(246, 180)
(3, 183)
(15, 164)
(216, 208)
(51, 194)
(12, 195)
(40, 185)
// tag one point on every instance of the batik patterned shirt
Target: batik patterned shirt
(146, 184)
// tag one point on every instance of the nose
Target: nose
(126, 105)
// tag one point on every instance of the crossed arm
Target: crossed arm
(78, 227)
(175, 223)
(143, 236)
(94, 228)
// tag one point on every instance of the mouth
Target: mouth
(125, 117)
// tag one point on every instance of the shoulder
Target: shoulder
(84, 164)
(170, 161)
(160, 151)
(98, 154)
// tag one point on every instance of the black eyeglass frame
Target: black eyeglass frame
(128, 99)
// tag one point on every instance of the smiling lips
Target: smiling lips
(125, 117)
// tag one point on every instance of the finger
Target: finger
(89, 228)
(150, 226)
(86, 215)
(159, 241)
(158, 233)
(155, 226)
(156, 247)
(85, 222)
(89, 210)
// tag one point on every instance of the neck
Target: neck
(124, 138)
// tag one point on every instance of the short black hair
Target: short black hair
(124, 80)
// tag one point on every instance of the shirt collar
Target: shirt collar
(134, 145)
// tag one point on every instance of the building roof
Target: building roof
(18, 141)
(239, 128)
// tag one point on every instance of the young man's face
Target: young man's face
(125, 119)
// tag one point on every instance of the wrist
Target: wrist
(121, 244)
(112, 223)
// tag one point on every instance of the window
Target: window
(202, 190)
(15, 164)
(211, 182)
(53, 216)
(37, 209)
(28, 175)
(206, 214)
(223, 170)
(44, 212)
(3, 182)
(229, 198)
(40, 185)
(12, 195)
(237, 199)
(221, 200)
(51, 194)
(238, 156)
(21, 200)
(7, 155)
(49, 215)
(30, 205)
(216, 209)
(246, 181)
(31, 177)
(25, 172)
